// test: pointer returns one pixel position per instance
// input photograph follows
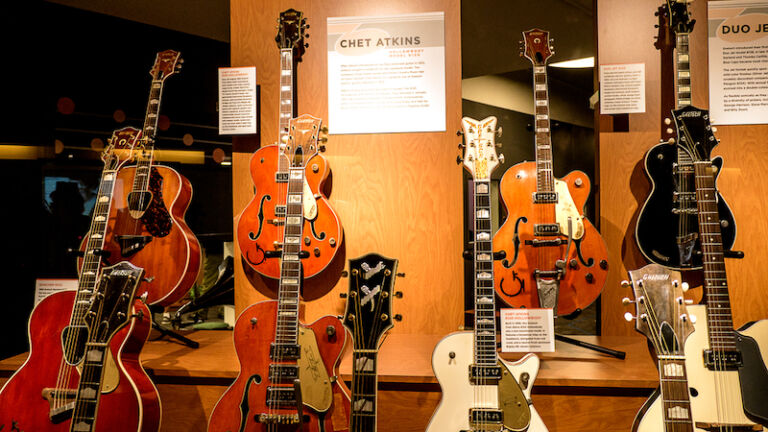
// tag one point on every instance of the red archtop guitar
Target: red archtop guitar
(261, 223)
(146, 224)
(555, 258)
(47, 392)
(288, 371)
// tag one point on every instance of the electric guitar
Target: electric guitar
(146, 224)
(288, 377)
(554, 257)
(482, 392)
(727, 368)
(368, 316)
(42, 394)
(261, 223)
(667, 228)
(662, 317)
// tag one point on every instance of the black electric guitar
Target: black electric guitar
(667, 230)
(368, 317)
(727, 367)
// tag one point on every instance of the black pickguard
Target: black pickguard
(753, 377)
(657, 226)
(156, 218)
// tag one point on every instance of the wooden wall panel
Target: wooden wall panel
(625, 32)
(396, 194)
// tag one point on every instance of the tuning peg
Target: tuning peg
(324, 129)
(343, 295)
(688, 301)
(498, 132)
(462, 146)
(306, 26)
(714, 129)
(501, 158)
(499, 145)
(323, 139)
(693, 318)
(398, 317)
(625, 284)
(670, 130)
(629, 317)
(685, 286)
(399, 294)
(667, 121)
(459, 160)
(306, 45)
(402, 275)
(321, 148)
(459, 132)
(626, 301)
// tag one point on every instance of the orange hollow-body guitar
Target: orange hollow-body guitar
(260, 228)
(245, 401)
(132, 406)
(515, 275)
(555, 258)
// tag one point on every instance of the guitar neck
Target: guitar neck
(676, 405)
(290, 264)
(718, 303)
(89, 389)
(682, 84)
(363, 416)
(545, 180)
(485, 306)
(149, 132)
(91, 256)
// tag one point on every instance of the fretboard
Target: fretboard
(675, 402)
(91, 257)
(148, 133)
(287, 105)
(718, 302)
(290, 264)
(485, 307)
(89, 388)
(683, 85)
(363, 416)
(545, 181)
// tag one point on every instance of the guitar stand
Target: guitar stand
(155, 309)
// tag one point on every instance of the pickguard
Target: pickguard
(565, 209)
(156, 218)
(316, 391)
(753, 377)
(310, 203)
(261, 218)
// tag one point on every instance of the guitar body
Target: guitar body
(459, 395)
(587, 267)
(170, 254)
(246, 398)
(656, 231)
(133, 405)
(256, 232)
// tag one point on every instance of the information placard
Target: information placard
(527, 330)
(386, 74)
(46, 287)
(237, 101)
(738, 62)
(622, 88)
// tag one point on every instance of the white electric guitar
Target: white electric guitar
(727, 375)
(482, 392)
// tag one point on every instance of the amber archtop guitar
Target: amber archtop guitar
(146, 224)
(261, 223)
(555, 258)
(47, 392)
(667, 230)
(288, 377)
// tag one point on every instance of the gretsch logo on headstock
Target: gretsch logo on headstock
(690, 114)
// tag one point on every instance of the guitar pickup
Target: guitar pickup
(546, 229)
(545, 197)
(281, 397)
(284, 351)
(279, 373)
(478, 374)
(485, 416)
(540, 243)
(722, 360)
(130, 244)
(281, 177)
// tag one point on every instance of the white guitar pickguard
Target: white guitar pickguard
(310, 204)
(566, 208)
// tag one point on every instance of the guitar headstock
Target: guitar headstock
(167, 63)
(536, 46)
(291, 32)
(112, 301)
(660, 306)
(674, 18)
(479, 146)
(301, 143)
(694, 132)
(368, 313)
(119, 149)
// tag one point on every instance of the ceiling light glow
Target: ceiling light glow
(586, 62)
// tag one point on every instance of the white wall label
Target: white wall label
(386, 74)
(527, 330)
(237, 101)
(738, 62)
(622, 88)
(46, 287)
